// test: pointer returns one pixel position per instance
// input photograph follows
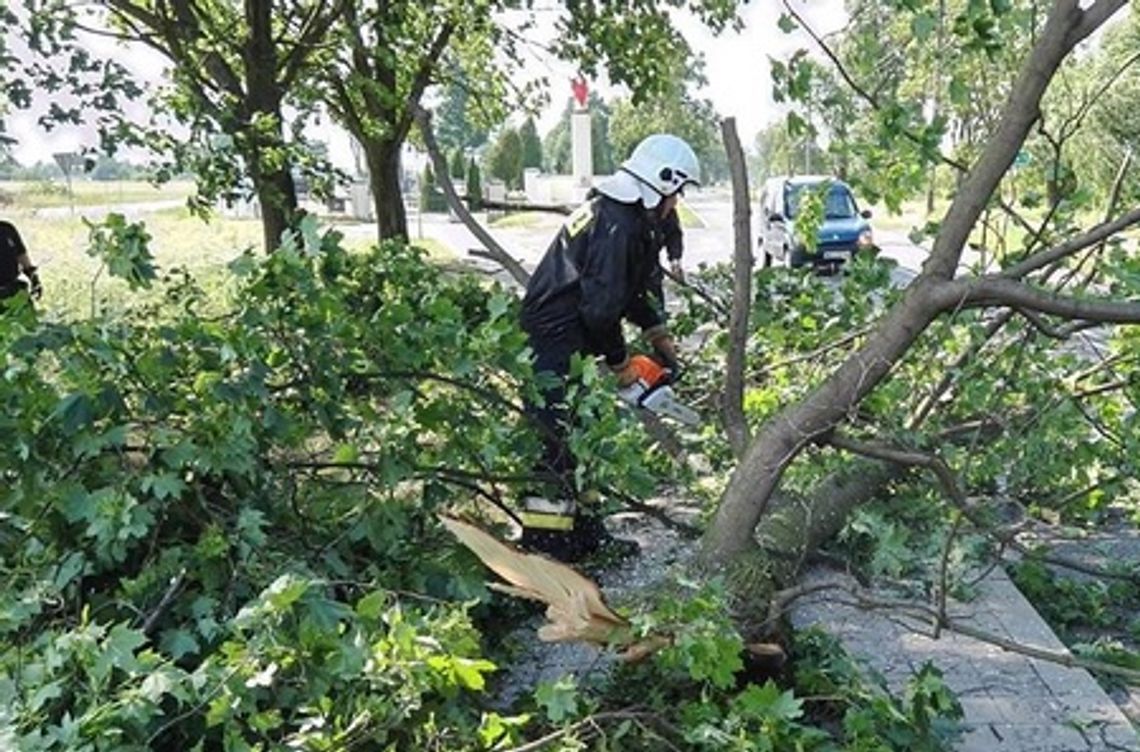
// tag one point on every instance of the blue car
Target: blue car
(845, 230)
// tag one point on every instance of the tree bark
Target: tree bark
(735, 423)
(387, 193)
(271, 177)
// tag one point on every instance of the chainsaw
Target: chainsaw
(652, 391)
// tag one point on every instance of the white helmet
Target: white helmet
(665, 163)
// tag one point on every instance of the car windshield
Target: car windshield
(840, 203)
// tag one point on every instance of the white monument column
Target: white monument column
(581, 142)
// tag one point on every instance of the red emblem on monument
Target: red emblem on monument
(578, 85)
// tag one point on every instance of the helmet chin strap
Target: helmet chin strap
(652, 197)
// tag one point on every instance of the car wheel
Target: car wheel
(765, 257)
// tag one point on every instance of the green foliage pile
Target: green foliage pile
(218, 528)
(206, 521)
(1030, 424)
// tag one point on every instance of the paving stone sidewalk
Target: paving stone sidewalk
(1012, 703)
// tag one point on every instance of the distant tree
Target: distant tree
(109, 168)
(457, 168)
(431, 200)
(693, 120)
(8, 163)
(459, 122)
(505, 159)
(1114, 139)
(779, 153)
(233, 69)
(474, 187)
(531, 144)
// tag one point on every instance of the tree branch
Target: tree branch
(168, 597)
(442, 173)
(1093, 16)
(953, 490)
(735, 423)
(1097, 234)
(588, 727)
(313, 29)
(1041, 325)
(1001, 291)
(1020, 111)
(423, 78)
(843, 341)
(923, 612)
(869, 97)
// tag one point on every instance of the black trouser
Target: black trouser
(553, 351)
(655, 288)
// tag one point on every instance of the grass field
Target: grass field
(27, 196)
(57, 241)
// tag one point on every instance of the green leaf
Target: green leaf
(219, 711)
(118, 652)
(75, 412)
(470, 672)
(923, 25)
(959, 92)
(769, 703)
(559, 699)
(178, 643)
(498, 305)
(70, 568)
(285, 591)
(45, 693)
(163, 485)
(346, 454)
(787, 24)
(160, 682)
(373, 605)
(797, 126)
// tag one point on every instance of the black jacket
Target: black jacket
(595, 273)
(11, 248)
(672, 237)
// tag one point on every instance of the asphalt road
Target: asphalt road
(709, 243)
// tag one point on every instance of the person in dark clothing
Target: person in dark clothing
(672, 240)
(598, 271)
(14, 260)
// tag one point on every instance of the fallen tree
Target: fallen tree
(761, 533)
(730, 541)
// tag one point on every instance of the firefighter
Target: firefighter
(599, 269)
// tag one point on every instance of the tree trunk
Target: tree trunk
(735, 423)
(277, 197)
(731, 535)
(271, 175)
(387, 195)
(785, 435)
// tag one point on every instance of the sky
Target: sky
(736, 67)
